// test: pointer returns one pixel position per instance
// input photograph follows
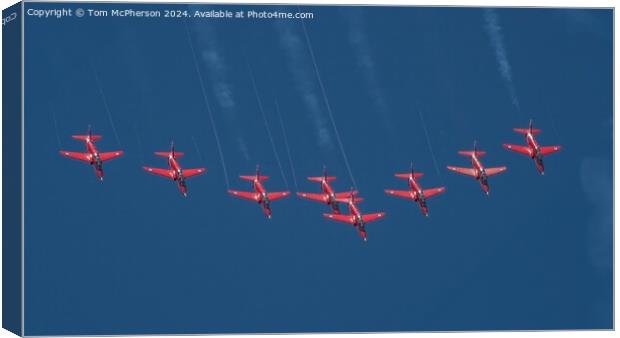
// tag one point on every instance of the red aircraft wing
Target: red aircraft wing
(433, 192)
(273, 196)
(76, 156)
(315, 197)
(193, 172)
(167, 173)
(519, 149)
(408, 194)
(549, 150)
(464, 171)
(350, 219)
(252, 196)
(372, 217)
(494, 171)
(110, 155)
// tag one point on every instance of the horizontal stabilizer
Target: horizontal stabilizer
(406, 176)
(93, 138)
(320, 178)
(177, 154)
(526, 130)
(252, 177)
(479, 153)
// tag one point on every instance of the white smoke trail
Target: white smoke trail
(208, 106)
(329, 109)
(197, 149)
(288, 149)
(295, 48)
(215, 62)
(262, 111)
(430, 146)
(364, 60)
(497, 40)
(105, 105)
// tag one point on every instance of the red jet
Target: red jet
(416, 193)
(328, 196)
(533, 149)
(261, 196)
(355, 217)
(175, 172)
(478, 171)
(92, 156)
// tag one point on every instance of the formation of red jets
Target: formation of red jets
(327, 195)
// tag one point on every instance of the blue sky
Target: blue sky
(131, 255)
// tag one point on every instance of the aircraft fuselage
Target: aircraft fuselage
(331, 196)
(264, 198)
(95, 159)
(418, 194)
(481, 174)
(178, 174)
(536, 154)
